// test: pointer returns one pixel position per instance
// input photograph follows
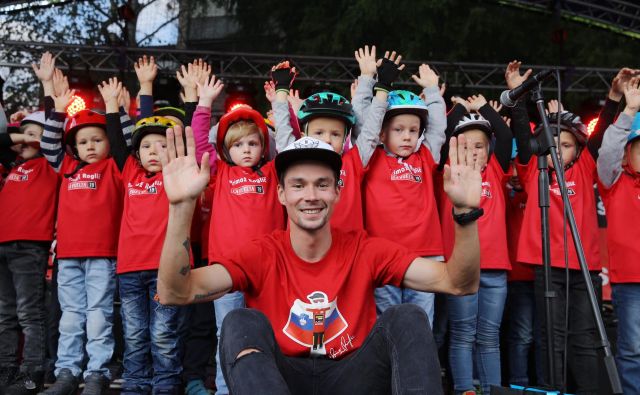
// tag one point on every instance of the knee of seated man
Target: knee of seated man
(404, 316)
(246, 352)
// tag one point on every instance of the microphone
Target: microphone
(509, 98)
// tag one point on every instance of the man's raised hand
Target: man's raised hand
(462, 178)
(184, 180)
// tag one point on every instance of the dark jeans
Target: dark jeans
(22, 286)
(201, 340)
(152, 353)
(583, 359)
(520, 334)
(399, 356)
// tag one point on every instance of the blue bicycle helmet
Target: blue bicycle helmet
(405, 102)
(635, 129)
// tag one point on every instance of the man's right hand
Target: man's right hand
(184, 180)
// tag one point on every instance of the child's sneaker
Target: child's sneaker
(66, 384)
(196, 387)
(26, 383)
(95, 384)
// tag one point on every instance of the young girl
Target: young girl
(152, 356)
(578, 153)
(474, 320)
(245, 201)
(89, 212)
(619, 185)
(28, 200)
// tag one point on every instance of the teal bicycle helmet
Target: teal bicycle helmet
(327, 104)
(405, 102)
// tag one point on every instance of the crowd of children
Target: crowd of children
(92, 181)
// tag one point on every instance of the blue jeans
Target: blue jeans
(389, 295)
(152, 345)
(223, 306)
(626, 301)
(474, 323)
(85, 289)
(521, 305)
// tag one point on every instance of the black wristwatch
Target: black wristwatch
(467, 218)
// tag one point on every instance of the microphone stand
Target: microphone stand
(543, 145)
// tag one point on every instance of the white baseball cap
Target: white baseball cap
(308, 149)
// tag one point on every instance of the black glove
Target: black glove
(283, 78)
(388, 72)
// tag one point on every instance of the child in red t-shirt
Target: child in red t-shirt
(399, 196)
(152, 354)
(474, 320)
(619, 184)
(329, 117)
(245, 203)
(88, 221)
(28, 200)
(577, 156)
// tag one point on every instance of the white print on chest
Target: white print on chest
(486, 189)
(252, 187)
(407, 173)
(555, 188)
(84, 181)
(144, 188)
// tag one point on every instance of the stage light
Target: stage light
(77, 104)
(591, 125)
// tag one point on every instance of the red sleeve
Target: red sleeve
(246, 265)
(390, 261)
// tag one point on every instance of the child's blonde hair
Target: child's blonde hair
(239, 130)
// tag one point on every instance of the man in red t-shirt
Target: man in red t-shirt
(310, 275)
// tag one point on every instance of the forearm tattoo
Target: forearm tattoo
(186, 268)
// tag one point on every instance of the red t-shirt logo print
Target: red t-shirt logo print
(316, 323)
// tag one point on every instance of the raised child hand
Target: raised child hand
(632, 95)
(209, 91)
(512, 75)
(124, 99)
(367, 61)
(462, 178)
(389, 69)
(60, 82)
(495, 105)
(62, 100)
(475, 102)
(295, 100)
(184, 180)
(270, 91)
(110, 90)
(426, 77)
(44, 71)
(458, 100)
(283, 76)
(146, 69)
(619, 81)
(554, 106)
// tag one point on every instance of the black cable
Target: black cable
(566, 249)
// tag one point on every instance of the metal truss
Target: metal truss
(256, 66)
(620, 16)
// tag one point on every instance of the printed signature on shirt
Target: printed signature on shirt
(346, 343)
